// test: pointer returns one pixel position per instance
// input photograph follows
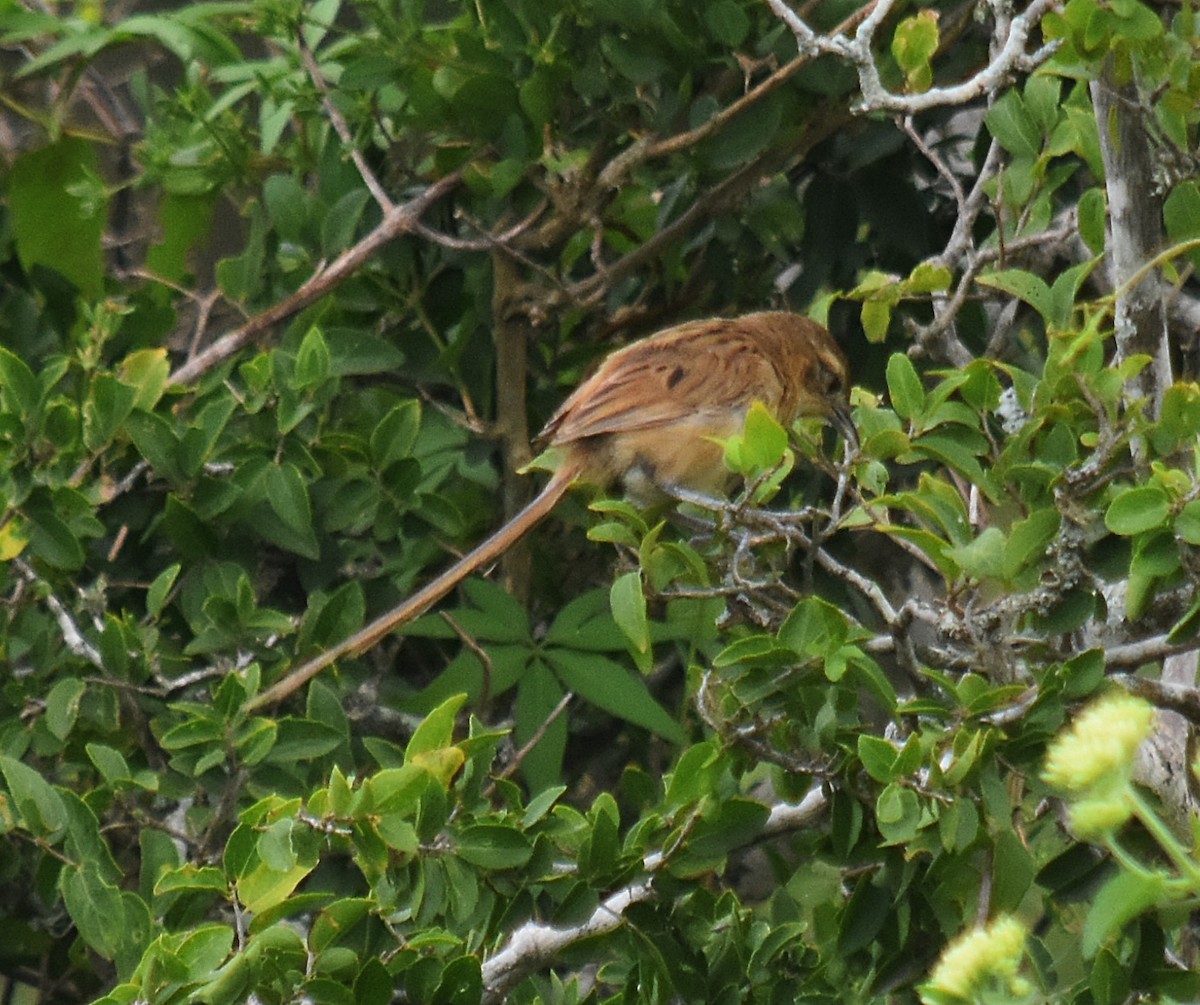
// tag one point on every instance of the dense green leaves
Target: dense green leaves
(781, 747)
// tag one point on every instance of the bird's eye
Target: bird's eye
(828, 380)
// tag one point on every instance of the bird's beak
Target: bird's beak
(841, 420)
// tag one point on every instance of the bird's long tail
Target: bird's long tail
(433, 591)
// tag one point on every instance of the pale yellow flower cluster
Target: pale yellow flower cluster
(989, 955)
(1097, 751)
(1093, 761)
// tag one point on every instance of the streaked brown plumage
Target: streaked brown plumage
(652, 410)
(648, 419)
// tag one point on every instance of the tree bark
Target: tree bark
(1135, 231)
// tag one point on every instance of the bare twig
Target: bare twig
(511, 768)
(1012, 56)
(340, 126)
(72, 637)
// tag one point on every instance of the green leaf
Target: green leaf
(1138, 509)
(313, 361)
(1093, 219)
(865, 914)
(743, 137)
(1043, 101)
(22, 390)
(341, 222)
(1014, 871)
(876, 317)
(62, 706)
(1187, 522)
(727, 22)
(160, 589)
(1122, 899)
(52, 540)
(461, 981)
(1028, 538)
(357, 353)
(629, 611)
(275, 845)
(108, 405)
(493, 846)
(262, 887)
(985, 556)
(1083, 674)
(95, 906)
(109, 762)
(878, 757)
(188, 876)
(183, 221)
(337, 918)
(436, 732)
(1064, 291)
(898, 813)
(1010, 122)
(904, 387)
(58, 208)
(1181, 211)
(957, 447)
(395, 791)
(538, 694)
(393, 439)
(299, 739)
(42, 810)
(928, 278)
(754, 649)
(1025, 286)
(611, 687)
(1109, 980)
(541, 804)
(157, 442)
(731, 824)
(146, 371)
(814, 628)
(634, 58)
(287, 496)
(286, 203)
(914, 43)
(693, 776)
(762, 444)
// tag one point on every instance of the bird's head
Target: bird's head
(821, 376)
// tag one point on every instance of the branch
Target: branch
(535, 945)
(341, 127)
(73, 638)
(1135, 230)
(397, 222)
(1011, 57)
(593, 289)
(639, 153)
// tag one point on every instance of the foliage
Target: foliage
(789, 747)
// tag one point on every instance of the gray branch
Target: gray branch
(1011, 56)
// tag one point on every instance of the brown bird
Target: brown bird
(648, 419)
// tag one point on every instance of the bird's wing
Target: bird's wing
(712, 366)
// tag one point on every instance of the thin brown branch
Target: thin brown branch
(511, 768)
(340, 126)
(593, 289)
(481, 654)
(398, 222)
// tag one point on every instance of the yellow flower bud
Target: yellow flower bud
(1097, 816)
(990, 954)
(1099, 747)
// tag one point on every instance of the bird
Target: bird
(651, 419)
